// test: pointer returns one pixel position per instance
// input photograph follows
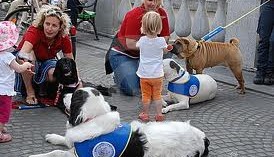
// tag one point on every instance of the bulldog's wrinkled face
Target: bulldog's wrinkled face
(177, 48)
(182, 47)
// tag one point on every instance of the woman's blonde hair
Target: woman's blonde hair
(151, 23)
(52, 11)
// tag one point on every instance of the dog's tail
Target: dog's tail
(234, 41)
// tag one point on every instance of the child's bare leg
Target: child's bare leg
(159, 105)
(144, 115)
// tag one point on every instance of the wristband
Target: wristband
(24, 56)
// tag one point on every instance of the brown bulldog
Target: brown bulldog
(201, 54)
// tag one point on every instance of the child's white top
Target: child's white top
(7, 75)
(151, 57)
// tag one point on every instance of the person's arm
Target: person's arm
(68, 55)
(25, 52)
(21, 67)
(131, 44)
(67, 47)
(167, 38)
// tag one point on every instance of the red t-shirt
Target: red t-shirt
(41, 47)
(131, 25)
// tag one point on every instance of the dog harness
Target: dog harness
(109, 145)
(189, 88)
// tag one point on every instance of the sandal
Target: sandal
(144, 117)
(159, 118)
(5, 130)
(5, 137)
(31, 100)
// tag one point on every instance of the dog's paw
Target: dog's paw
(165, 110)
(164, 103)
(55, 139)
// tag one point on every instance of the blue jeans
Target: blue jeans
(265, 51)
(124, 69)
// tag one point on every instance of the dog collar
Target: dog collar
(177, 78)
(74, 85)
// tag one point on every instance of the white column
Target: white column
(123, 8)
(219, 20)
(106, 16)
(170, 13)
(183, 20)
(137, 3)
(200, 26)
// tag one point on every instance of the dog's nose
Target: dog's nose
(174, 50)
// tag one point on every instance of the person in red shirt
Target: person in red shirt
(42, 41)
(123, 55)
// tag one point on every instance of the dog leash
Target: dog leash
(220, 28)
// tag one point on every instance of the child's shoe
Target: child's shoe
(5, 137)
(5, 130)
(144, 117)
(159, 118)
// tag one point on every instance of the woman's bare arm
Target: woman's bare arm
(131, 44)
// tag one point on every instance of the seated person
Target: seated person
(123, 55)
(48, 35)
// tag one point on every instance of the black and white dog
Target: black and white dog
(91, 120)
(184, 88)
(66, 75)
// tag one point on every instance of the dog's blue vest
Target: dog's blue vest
(108, 145)
(189, 88)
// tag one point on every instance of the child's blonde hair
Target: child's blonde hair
(151, 23)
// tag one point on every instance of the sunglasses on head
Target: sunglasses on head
(55, 12)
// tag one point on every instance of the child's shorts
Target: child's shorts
(151, 89)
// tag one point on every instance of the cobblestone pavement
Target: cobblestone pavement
(236, 125)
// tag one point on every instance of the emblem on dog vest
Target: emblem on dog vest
(108, 145)
(189, 88)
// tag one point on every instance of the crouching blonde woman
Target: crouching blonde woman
(48, 35)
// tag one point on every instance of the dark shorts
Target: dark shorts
(41, 70)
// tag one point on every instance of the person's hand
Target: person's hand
(169, 47)
(28, 67)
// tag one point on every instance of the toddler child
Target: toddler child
(8, 37)
(150, 68)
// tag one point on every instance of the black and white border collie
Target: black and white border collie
(91, 118)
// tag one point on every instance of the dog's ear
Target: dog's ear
(185, 40)
(74, 70)
(78, 99)
(57, 71)
(174, 65)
